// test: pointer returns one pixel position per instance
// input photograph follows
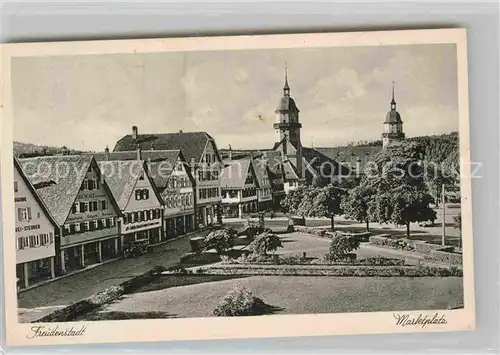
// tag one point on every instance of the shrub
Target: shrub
(239, 302)
(158, 269)
(264, 243)
(222, 240)
(341, 247)
(292, 260)
(402, 243)
(381, 261)
(108, 295)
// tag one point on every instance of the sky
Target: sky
(343, 94)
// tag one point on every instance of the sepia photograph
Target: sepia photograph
(245, 178)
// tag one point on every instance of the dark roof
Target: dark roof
(261, 171)
(287, 104)
(393, 116)
(192, 144)
(235, 173)
(59, 179)
(349, 155)
(43, 206)
(290, 172)
(121, 177)
(147, 155)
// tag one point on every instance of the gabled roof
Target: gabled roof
(235, 173)
(274, 161)
(349, 155)
(290, 171)
(57, 179)
(121, 177)
(261, 171)
(43, 206)
(192, 144)
(147, 155)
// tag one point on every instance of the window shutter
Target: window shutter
(19, 215)
(29, 213)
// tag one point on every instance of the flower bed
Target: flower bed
(445, 257)
(327, 233)
(334, 270)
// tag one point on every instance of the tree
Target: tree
(341, 246)
(265, 243)
(400, 194)
(356, 203)
(293, 199)
(222, 240)
(322, 202)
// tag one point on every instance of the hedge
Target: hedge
(322, 232)
(445, 257)
(335, 270)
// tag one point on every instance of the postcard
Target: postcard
(236, 187)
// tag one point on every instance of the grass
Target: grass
(304, 295)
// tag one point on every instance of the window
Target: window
(90, 184)
(37, 240)
(85, 185)
(96, 206)
(87, 226)
(132, 217)
(82, 227)
(16, 187)
(78, 227)
(97, 184)
(152, 214)
(145, 194)
(95, 224)
(24, 214)
(65, 230)
(82, 207)
(111, 222)
(103, 205)
(138, 216)
(72, 229)
(138, 194)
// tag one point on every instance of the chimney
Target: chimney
(139, 152)
(230, 152)
(134, 132)
(106, 152)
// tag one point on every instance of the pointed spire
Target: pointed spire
(286, 88)
(393, 101)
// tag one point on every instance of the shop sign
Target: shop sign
(141, 225)
(27, 228)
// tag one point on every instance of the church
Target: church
(301, 164)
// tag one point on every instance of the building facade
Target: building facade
(83, 206)
(239, 188)
(264, 189)
(35, 233)
(139, 203)
(205, 164)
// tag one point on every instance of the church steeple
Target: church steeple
(286, 88)
(393, 102)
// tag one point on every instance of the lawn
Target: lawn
(291, 295)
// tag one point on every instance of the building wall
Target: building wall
(207, 175)
(32, 225)
(179, 193)
(143, 211)
(77, 216)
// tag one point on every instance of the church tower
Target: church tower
(393, 125)
(287, 126)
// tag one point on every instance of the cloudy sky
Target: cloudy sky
(343, 94)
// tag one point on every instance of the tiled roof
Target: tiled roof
(121, 177)
(160, 162)
(287, 104)
(349, 155)
(393, 116)
(57, 180)
(261, 171)
(274, 161)
(235, 173)
(192, 144)
(290, 171)
(41, 203)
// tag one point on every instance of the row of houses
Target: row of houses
(76, 210)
